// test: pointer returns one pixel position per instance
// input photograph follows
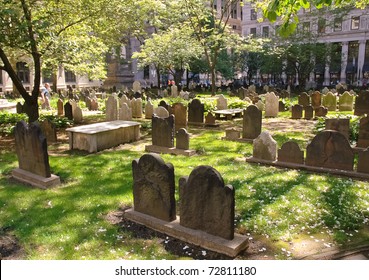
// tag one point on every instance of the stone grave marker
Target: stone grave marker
(290, 152)
(161, 112)
(265, 147)
(154, 187)
(136, 86)
(182, 139)
(206, 203)
(252, 122)
(49, 130)
(321, 111)
(174, 90)
(88, 101)
(136, 105)
(222, 102)
(210, 119)
(180, 115)
(316, 99)
(163, 131)
(125, 99)
(196, 112)
(363, 161)
(362, 103)
(340, 125)
(94, 104)
(184, 95)
(271, 105)
(282, 106)
(232, 133)
(68, 111)
(111, 105)
(297, 111)
(149, 109)
(164, 104)
(346, 102)
(60, 107)
(330, 149)
(309, 112)
(363, 141)
(330, 101)
(325, 90)
(77, 115)
(125, 112)
(19, 108)
(260, 104)
(304, 99)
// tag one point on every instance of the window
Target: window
(253, 31)
(23, 72)
(46, 77)
(254, 15)
(265, 31)
(306, 26)
(321, 25)
(337, 24)
(355, 23)
(146, 72)
(70, 77)
(1, 77)
(234, 11)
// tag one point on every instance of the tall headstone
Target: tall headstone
(136, 86)
(207, 204)
(60, 106)
(68, 111)
(330, 149)
(196, 111)
(309, 112)
(363, 141)
(290, 152)
(330, 101)
(304, 99)
(182, 139)
(180, 115)
(362, 103)
(124, 99)
(265, 147)
(174, 90)
(149, 110)
(163, 131)
(297, 111)
(154, 187)
(316, 99)
(94, 104)
(222, 102)
(77, 115)
(252, 122)
(125, 113)
(363, 161)
(340, 125)
(49, 130)
(346, 102)
(111, 108)
(271, 105)
(136, 106)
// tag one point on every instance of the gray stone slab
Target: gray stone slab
(34, 179)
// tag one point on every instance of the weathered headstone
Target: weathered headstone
(330, 101)
(210, 119)
(222, 102)
(316, 99)
(362, 103)
(163, 131)
(136, 105)
(321, 111)
(297, 111)
(346, 102)
(309, 112)
(265, 147)
(182, 139)
(136, 86)
(330, 149)
(154, 187)
(304, 99)
(161, 112)
(271, 105)
(124, 99)
(206, 203)
(164, 104)
(77, 115)
(260, 104)
(60, 107)
(149, 110)
(94, 104)
(290, 152)
(88, 103)
(49, 130)
(340, 125)
(125, 113)
(68, 111)
(174, 90)
(363, 161)
(252, 122)
(282, 106)
(111, 108)
(196, 111)
(180, 115)
(363, 141)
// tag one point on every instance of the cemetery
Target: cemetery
(285, 186)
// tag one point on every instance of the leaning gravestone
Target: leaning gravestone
(309, 112)
(346, 102)
(180, 115)
(49, 130)
(330, 101)
(363, 162)
(252, 122)
(60, 106)
(33, 159)
(163, 131)
(330, 149)
(154, 187)
(149, 110)
(304, 99)
(271, 105)
(206, 203)
(222, 102)
(125, 113)
(363, 141)
(340, 125)
(290, 152)
(297, 111)
(265, 147)
(362, 103)
(111, 108)
(196, 112)
(182, 139)
(321, 111)
(316, 99)
(68, 111)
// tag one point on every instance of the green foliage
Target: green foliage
(234, 103)
(58, 121)
(8, 122)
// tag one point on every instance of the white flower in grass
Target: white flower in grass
(203, 253)
(185, 247)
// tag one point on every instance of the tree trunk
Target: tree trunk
(213, 79)
(158, 75)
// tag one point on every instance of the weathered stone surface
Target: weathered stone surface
(196, 111)
(297, 111)
(222, 102)
(136, 86)
(321, 111)
(174, 90)
(182, 139)
(363, 141)
(94, 104)
(125, 99)
(161, 112)
(77, 115)
(340, 125)
(206, 203)
(363, 162)
(330, 101)
(111, 108)
(180, 115)
(125, 112)
(330, 149)
(304, 99)
(210, 119)
(316, 99)
(232, 133)
(31, 148)
(163, 131)
(362, 103)
(290, 152)
(260, 105)
(154, 187)
(271, 105)
(149, 110)
(265, 147)
(136, 105)
(282, 106)
(68, 111)
(88, 103)
(346, 102)
(309, 112)
(252, 122)
(164, 104)
(49, 130)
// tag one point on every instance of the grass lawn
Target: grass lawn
(290, 213)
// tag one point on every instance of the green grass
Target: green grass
(279, 205)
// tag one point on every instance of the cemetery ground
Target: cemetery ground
(286, 213)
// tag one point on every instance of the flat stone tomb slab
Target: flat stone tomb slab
(228, 113)
(104, 135)
(197, 237)
(166, 150)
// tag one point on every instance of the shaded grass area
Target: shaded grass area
(280, 205)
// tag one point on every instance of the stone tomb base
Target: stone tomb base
(166, 150)
(99, 136)
(199, 238)
(34, 179)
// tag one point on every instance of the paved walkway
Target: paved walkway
(358, 253)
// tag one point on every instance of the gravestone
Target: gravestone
(222, 102)
(94, 104)
(88, 103)
(184, 95)
(330, 101)
(330, 149)
(68, 111)
(309, 112)
(60, 107)
(206, 203)
(252, 122)
(362, 103)
(136, 86)
(196, 112)
(232, 133)
(180, 115)
(252, 88)
(321, 111)
(149, 110)
(260, 105)
(182, 139)
(304, 99)
(325, 90)
(77, 115)
(265, 147)
(242, 92)
(164, 104)
(174, 90)
(111, 105)
(316, 99)
(136, 105)
(125, 113)
(210, 119)
(363, 161)
(282, 106)
(290, 152)
(49, 130)
(163, 131)
(340, 125)
(346, 102)
(19, 108)
(161, 112)
(363, 141)
(271, 105)
(154, 187)
(297, 111)
(124, 99)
